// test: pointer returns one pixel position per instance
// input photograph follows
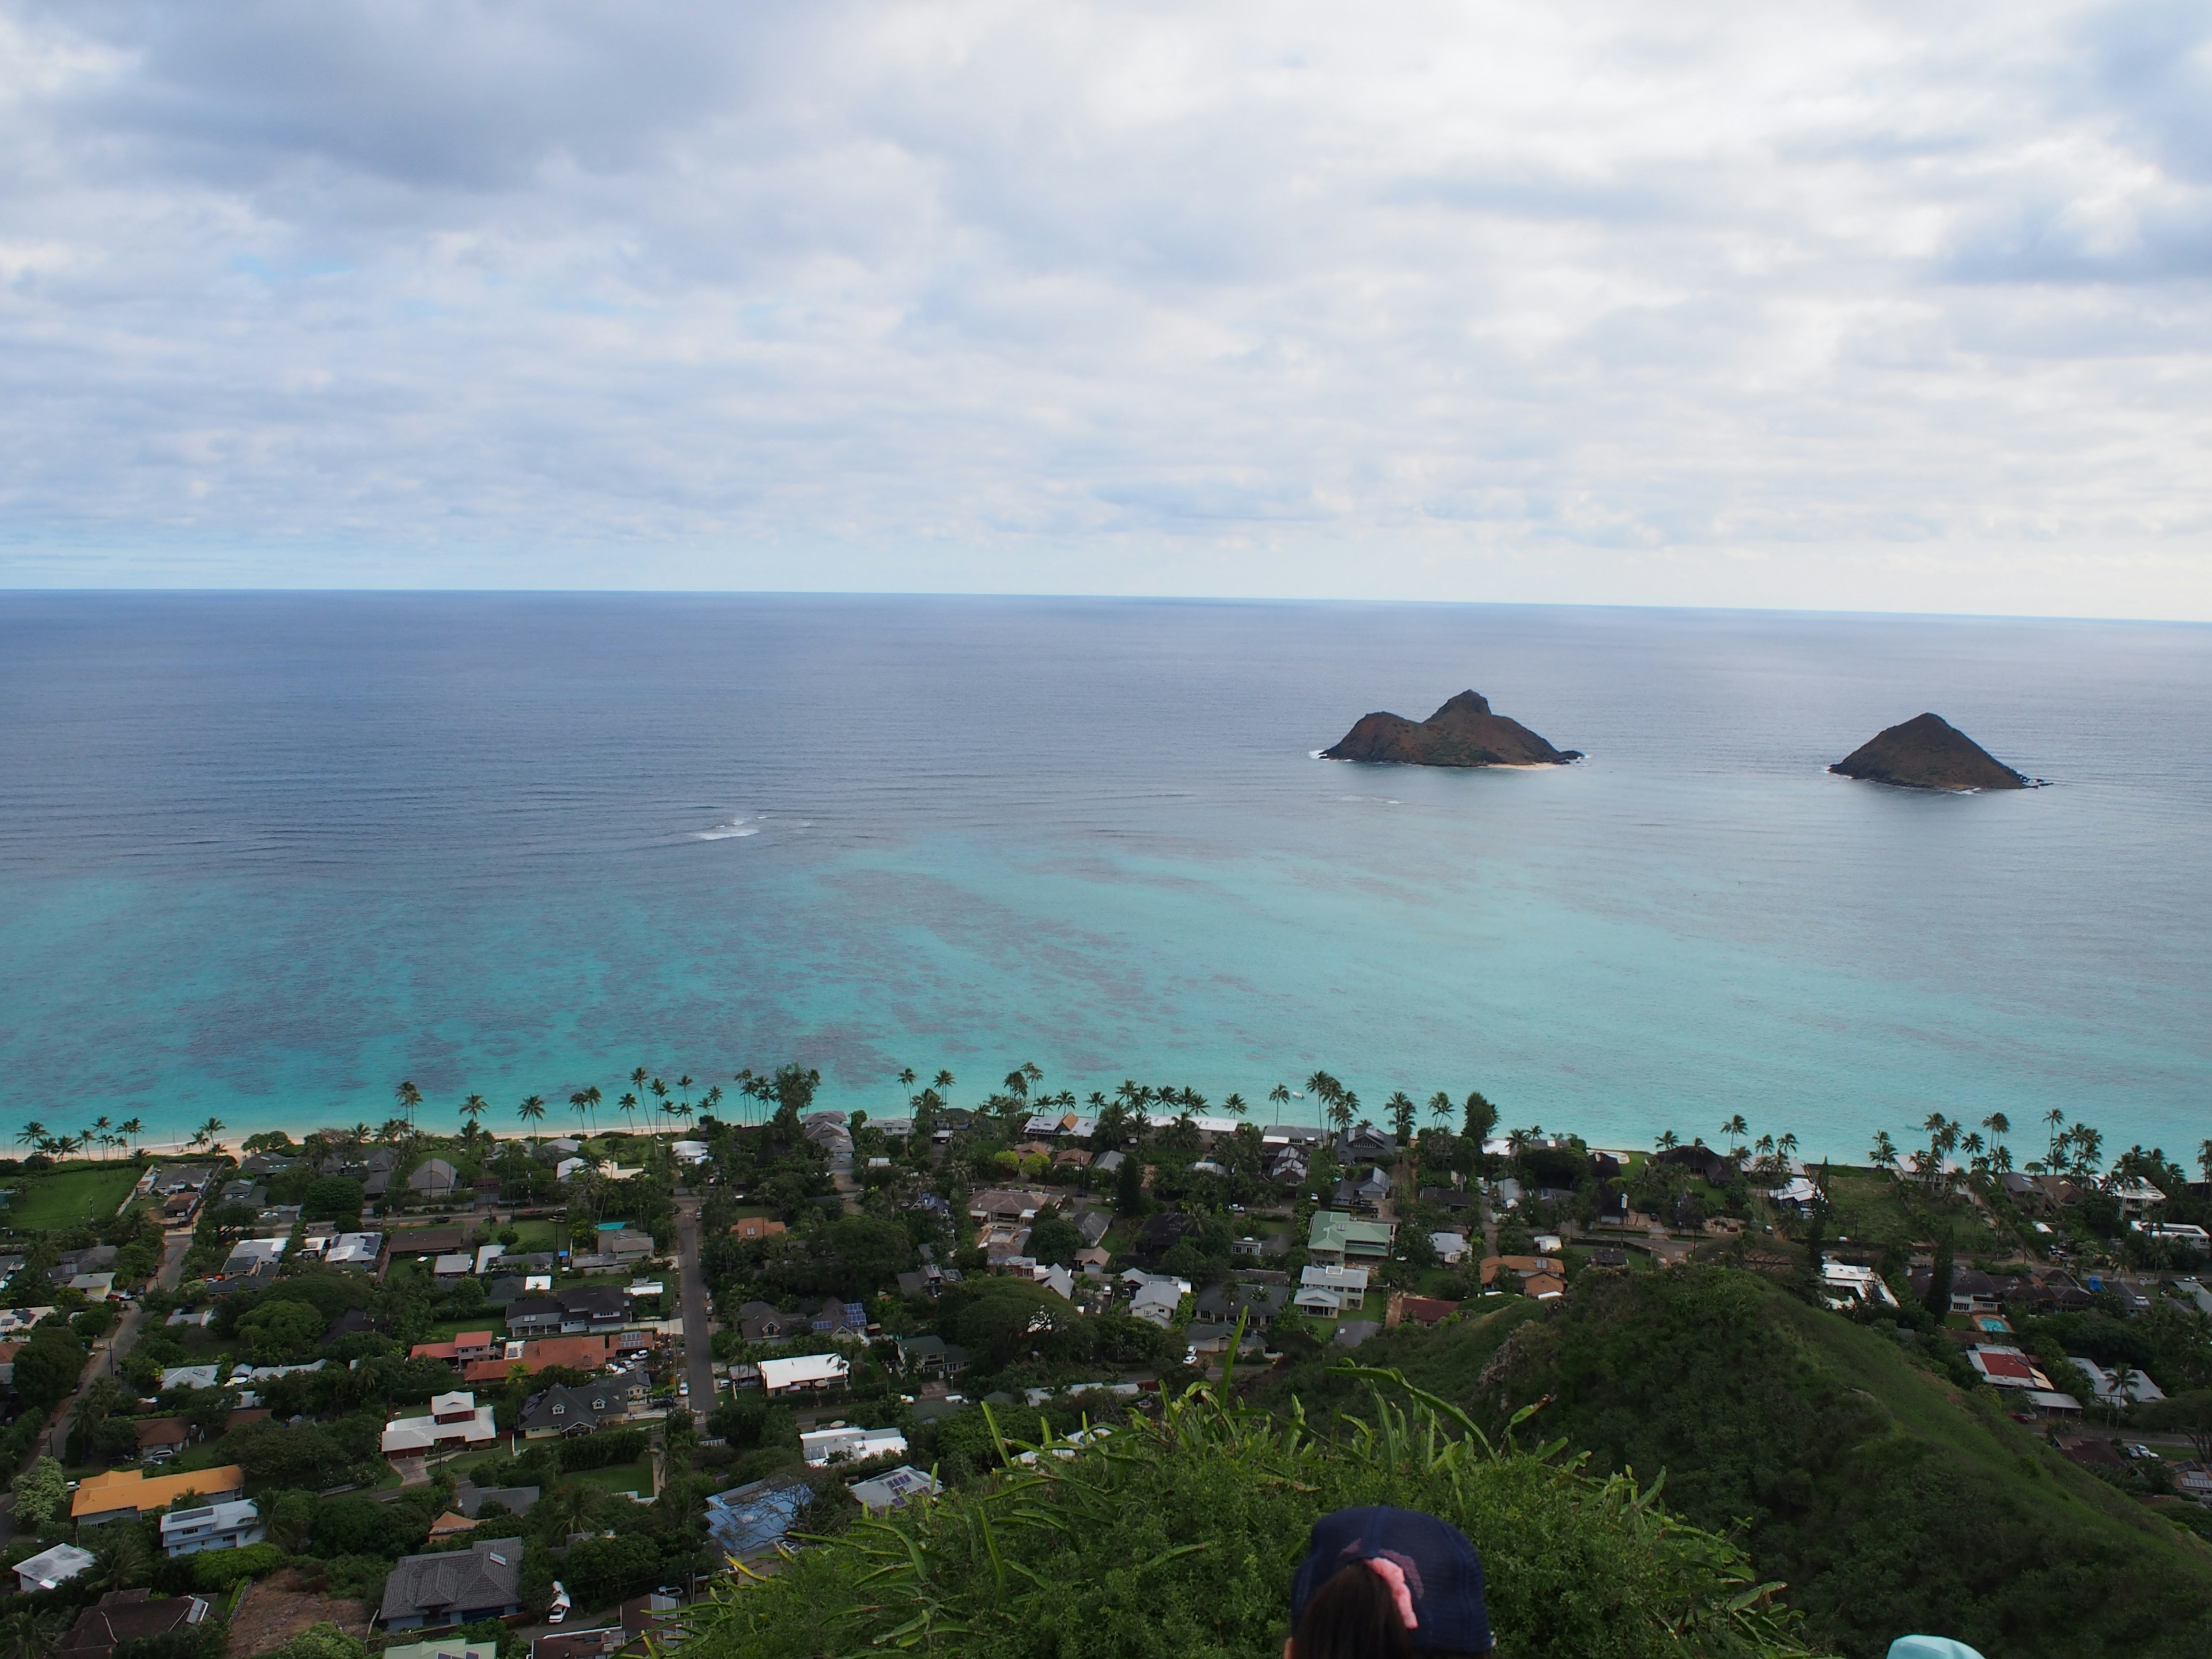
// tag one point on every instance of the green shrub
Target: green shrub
(218, 1570)
(602, 1450)
(1180, 1537)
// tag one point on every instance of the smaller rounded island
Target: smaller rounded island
(1928, 752)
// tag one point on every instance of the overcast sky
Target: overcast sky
(1865, 306)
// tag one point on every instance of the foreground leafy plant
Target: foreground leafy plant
(1179, 1537)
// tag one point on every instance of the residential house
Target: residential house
(569, 1410)
(2185, 1237)
(894, 1489)
(463, 1349)
(831, 1317)
(1365, 1144)
(930, 1356)
(1108, 1163)
(1288, 1167)
(472, 1500)
(2110, 1388)
(1506, 1193)
(1448, 1198)
(1006, 1204)
(842, 1444)
(450, 1648)
(161, 1438)
(2040, 1195)
(55, 1565)
(576, 1311)
(212, 1527)
(1846, 1282)
(763, 1322)
(757, 1226)
(451, 1269)
(1450, 1248)
(1543, 1287)
(1971, 1291)
(455, 1588)
(247, 1194)
(1156, 1301)
(833, 1133)
(1426, 1310)
(269, 1164)
(357, 1251)
(807, 1373)
(2006, 1368)
(1338, 1237)
(121, 1494)
(2135, 1195)
(192, 1376)
(1092, 1225)
(434, 1179)
(1703, 1162)
(429, 1242)
(128, 1615)
(455, 1423)
(1366, 1192)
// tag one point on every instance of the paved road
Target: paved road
(698, 1356)
(108, 1353)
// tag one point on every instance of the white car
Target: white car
(557, 1610)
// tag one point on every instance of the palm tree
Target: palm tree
(1735, 1128)
(628, 1107)
(906, 1081)
(100, 1126)
(474, 1107)
(1233, 1103)
(34, 1132)
(584, 1101)
(130, 1128)
(1441, 1108)
(1402, 1109)
(941, 1082)
(637, 1077)
(1885, 1150)
(683, 1091)
(1787, 1146)
(660, 1090)
(532, 1109)
(2056, 1117)
(1280, 1097)
(409, 1098)
(1339, 1112)
(25, 1635)
(393, 1128)
(1668, 1141)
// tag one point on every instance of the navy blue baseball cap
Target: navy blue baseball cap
(1441, 1572)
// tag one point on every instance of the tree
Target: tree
(627, 1105)
(1885, 1150)
(532, 1109)
(1280, 1097)
(1234, 1104)
(1441, 1108)
(1938, 1300)
(25, 1634)
(1668, 1140)
(281, 1333)
(1129, 1186)
(1735, 1128)
(1481, 1117)
(48, 1364)
(130, 1128)
(1401, 1107)
(474, 1107)
(33, 1133)
(39, 1491)
(409, 1098)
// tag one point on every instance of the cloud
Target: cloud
(1877, 305)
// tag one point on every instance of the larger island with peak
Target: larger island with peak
(1463, 732)
(1928, 752)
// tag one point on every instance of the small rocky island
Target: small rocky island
(1463, 732)
(1928, 752)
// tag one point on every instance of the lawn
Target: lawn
(69, 1197)
(1870, 1207)
(621, 1477)
(535, 1236)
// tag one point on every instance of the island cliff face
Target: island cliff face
(1463, 732)
(1928, 752)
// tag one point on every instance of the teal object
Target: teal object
(1930, 1647)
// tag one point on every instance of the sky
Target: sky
(1860, 306)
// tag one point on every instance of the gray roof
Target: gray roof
(483, 1577)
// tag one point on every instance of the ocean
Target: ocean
(263, 855)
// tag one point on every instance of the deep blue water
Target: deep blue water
(262, 855)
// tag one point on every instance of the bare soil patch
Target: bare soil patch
(278, 1608)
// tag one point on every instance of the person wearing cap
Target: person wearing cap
(1387, 1584)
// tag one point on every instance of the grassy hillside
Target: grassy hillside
(1888, 1500)
(1177, 1541)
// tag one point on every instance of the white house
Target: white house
(1848, 1282)
(1156, 1301)
(690, 1152)
(2106, 1384)
(810, 1370)
(354, 1250)
(893, 1490)
(823, 1447)
(1450, 1248)
(51, 1567)
(456, 1423)
(217, 1526)
(1335, 1278)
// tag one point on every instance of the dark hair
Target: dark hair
(1353, 1616)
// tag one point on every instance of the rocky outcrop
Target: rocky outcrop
(1463, 732)
(1928, 752)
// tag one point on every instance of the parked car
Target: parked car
(557, 1610)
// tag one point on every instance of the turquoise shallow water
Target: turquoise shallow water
(260, 856)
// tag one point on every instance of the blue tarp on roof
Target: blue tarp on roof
(751, 1519)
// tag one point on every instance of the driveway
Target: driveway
(108, 1353)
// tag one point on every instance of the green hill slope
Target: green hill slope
(1888, 1500)
(1178, 1539)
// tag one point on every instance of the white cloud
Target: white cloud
(1876, 305)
